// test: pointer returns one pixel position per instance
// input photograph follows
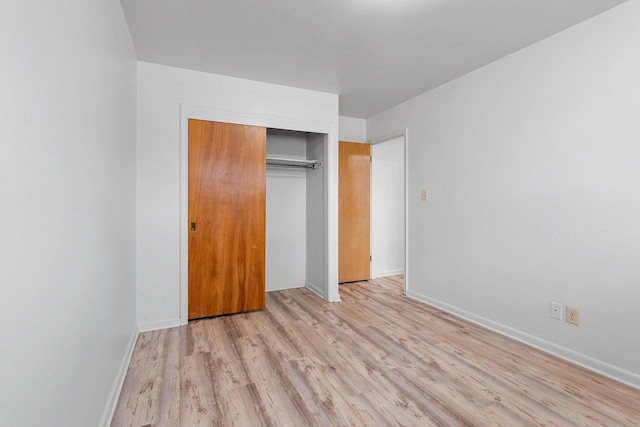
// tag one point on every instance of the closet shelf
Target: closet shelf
(276, 162)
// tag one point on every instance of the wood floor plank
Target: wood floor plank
(312, 381)
(281, 409)
(201, 402)
(244, 406)
(154, 380)
(377, 358)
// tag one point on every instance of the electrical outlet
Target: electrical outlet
(573, 316)
(424, 195)
(556, 310)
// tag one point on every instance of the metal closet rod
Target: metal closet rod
(273, 162)
(293, 166)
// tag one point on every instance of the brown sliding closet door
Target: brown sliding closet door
(226, 218)
(354, 180)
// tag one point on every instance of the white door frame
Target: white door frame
(330, 285)
(404, 133)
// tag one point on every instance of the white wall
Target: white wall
(532, 165)
(352, 129)
(161, 91)
(387, 208)
(67, 210)
(286, 213)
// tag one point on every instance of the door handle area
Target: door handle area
(193, 226)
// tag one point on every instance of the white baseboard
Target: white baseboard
(615, 373)
(160, 324)
(388, 273)
(315, 289)
(280, 287)
(114, 394)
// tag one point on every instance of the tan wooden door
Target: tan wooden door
(227, 207)
(354, 186)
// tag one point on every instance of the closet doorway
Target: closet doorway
(321, 232)
(296, 170)
(324, 265)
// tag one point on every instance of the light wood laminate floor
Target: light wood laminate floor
(377, 358)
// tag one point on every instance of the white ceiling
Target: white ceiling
(373, 53)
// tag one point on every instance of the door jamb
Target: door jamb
(404, 133)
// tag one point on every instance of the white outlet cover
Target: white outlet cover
(556, 310)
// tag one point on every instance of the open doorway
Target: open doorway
(388, 204)
(295, 210)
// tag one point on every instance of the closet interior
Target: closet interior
(295, 225)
